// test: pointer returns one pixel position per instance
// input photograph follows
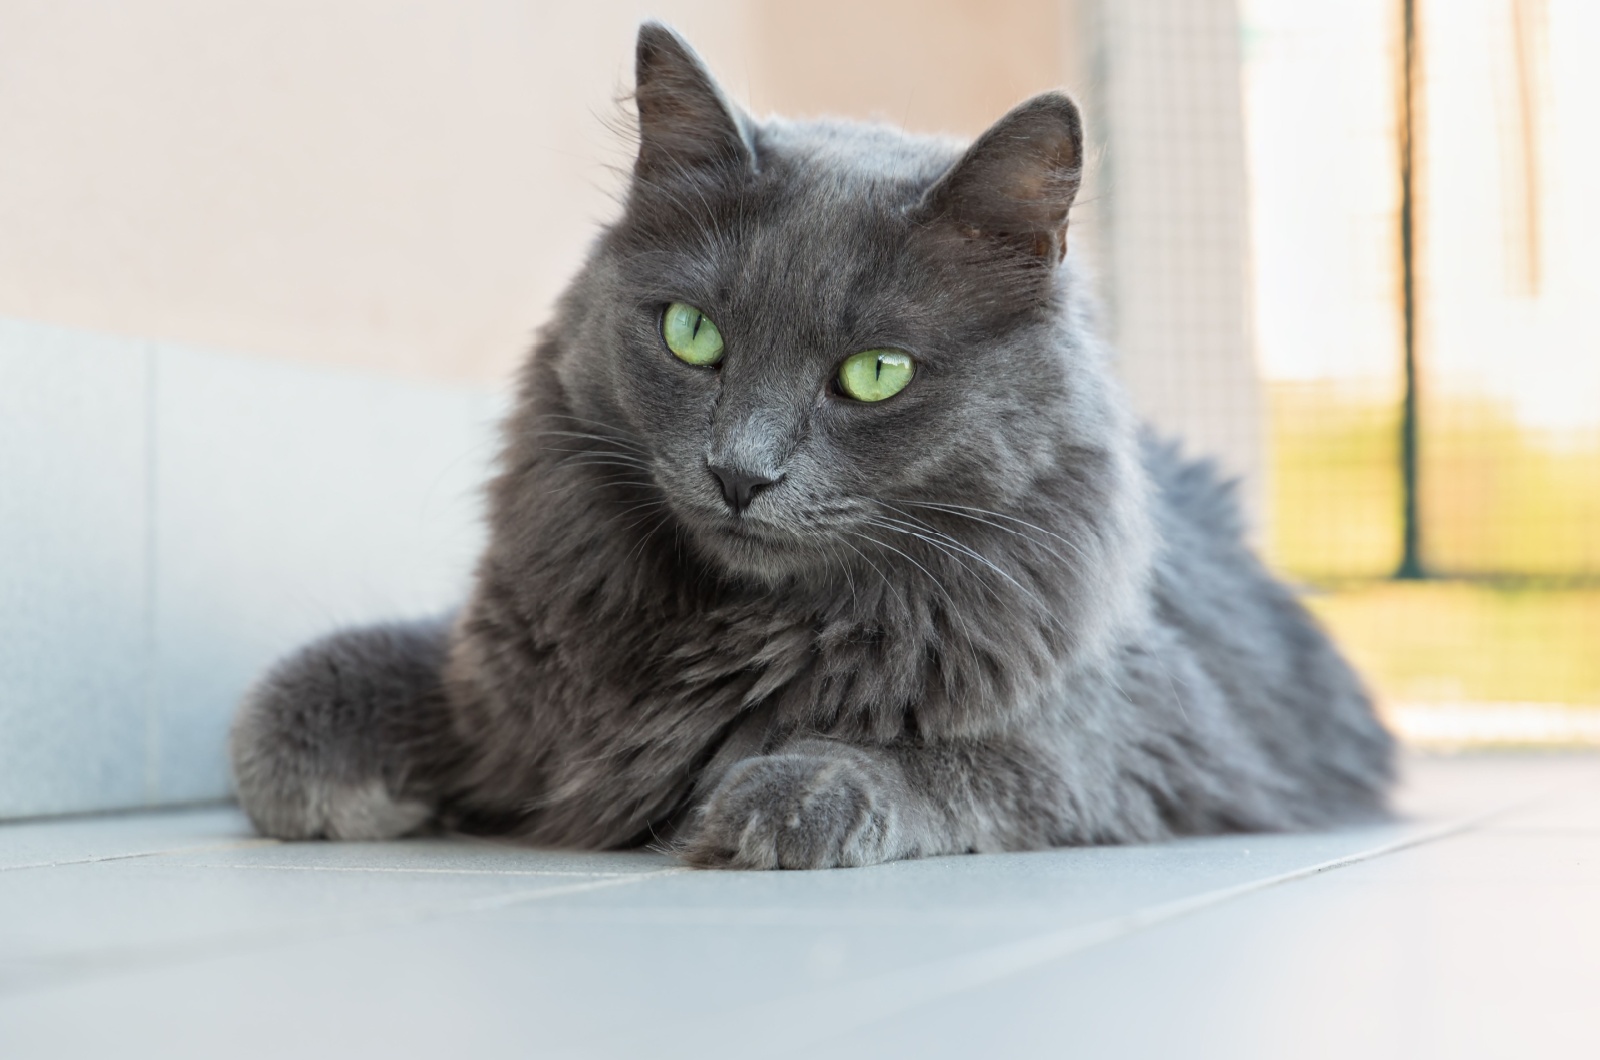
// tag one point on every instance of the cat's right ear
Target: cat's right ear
(1016, 183)
(687, 127)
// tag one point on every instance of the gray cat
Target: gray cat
(822, 536)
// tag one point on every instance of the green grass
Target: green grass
(1455, 641)
(1335, 483)
(1497, 501)
(1497, 498)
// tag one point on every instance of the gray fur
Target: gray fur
(985, 614)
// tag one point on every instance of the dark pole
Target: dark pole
(1411, 527)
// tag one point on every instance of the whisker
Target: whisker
(1045, 610)
(599, 482)
(869, 563)
(977, 556)
(603, 463)
(637, 460)
(849, 579)
(963, 511)
(908, 558)
(581, 419)
(950, 606)
(921, 537)
(600, 438)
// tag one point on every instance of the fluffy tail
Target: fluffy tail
(350, 737)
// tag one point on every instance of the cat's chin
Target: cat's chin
(760, 555)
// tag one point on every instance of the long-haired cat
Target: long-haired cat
(823, 536)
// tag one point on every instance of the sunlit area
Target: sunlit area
(1485, 627)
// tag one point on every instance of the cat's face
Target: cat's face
(813, 332)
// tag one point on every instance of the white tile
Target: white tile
(1481, 945)
(468, 985)
(74, 483)
(53, 841)
(291, 501)
(1449, 785)
(662, 965)
(457, 855)
(1575, 808)
(1472, 944)
(77, 922)
(1048, 889)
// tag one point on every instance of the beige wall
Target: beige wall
(406, 186)
(401, 186)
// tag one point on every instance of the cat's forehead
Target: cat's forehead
(841, 155)
(820, 235)
(830, 198)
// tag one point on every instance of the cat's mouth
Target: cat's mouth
(745, 530)
(747, 534)
(752, 547)
(749, 543)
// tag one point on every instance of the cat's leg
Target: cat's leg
(820, 803)
(349, 738)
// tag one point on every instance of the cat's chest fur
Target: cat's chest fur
(611, 693)
(610, 722)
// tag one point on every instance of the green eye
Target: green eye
(873, 375)
(691, 336)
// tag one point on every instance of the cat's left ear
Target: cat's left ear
(1017, 181)
(686, 125)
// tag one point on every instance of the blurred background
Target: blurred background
(266, 268)
(1429, 359)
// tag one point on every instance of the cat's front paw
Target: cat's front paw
(796, 811)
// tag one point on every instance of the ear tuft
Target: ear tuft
(685, 122)
(1017, 181)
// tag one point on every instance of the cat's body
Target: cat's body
(981, 614)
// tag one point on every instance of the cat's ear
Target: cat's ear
(686, 124)
(1017, 181)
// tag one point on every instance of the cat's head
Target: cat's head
(809, 334)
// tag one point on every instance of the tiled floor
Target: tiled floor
(1471, 929)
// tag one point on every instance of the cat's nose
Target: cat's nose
(739, 486)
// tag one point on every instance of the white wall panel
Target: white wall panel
(173, 520)
(74, 540)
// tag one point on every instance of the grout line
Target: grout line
(232, 844)
(502, 901)
(71, 969)
(443, 872)
(123, 813)
(863, 1002)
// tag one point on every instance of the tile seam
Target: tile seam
(879, 997)
(76, 968)
(232, 844)
(395, 870)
